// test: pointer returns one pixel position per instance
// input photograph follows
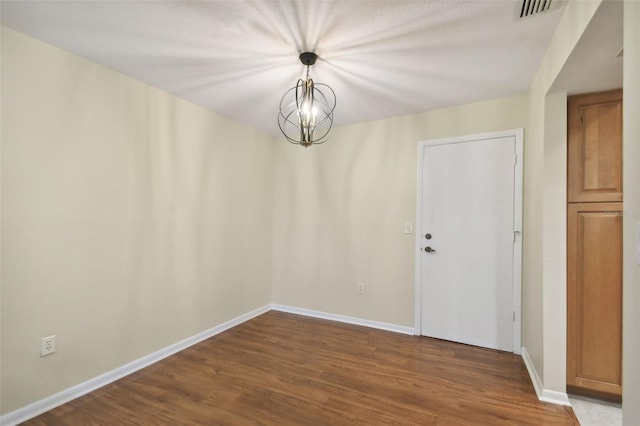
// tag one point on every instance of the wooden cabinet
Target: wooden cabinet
(594, 295)
(594, 245)
(595, 148)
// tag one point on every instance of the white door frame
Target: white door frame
(517, 226)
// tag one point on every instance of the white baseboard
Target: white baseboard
(32, 410)
(558, 398)
(46, 404)
(544, 395)
(343, 318)
(533, 374)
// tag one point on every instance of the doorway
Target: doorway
(468, 240)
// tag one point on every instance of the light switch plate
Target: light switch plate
(408, 227)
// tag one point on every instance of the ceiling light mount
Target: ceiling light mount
(306, 110)
(308, 58)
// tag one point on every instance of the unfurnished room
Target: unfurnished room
(320, 212)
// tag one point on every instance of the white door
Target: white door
(469, 257)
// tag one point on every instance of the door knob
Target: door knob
(429, 250)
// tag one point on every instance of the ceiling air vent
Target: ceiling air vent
(534, 7)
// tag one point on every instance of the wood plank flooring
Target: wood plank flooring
(284, 369)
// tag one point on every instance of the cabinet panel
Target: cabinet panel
(595, 148)
(594, 297)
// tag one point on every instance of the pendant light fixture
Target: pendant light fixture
(306, 110)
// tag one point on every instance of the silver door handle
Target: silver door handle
(429, 250)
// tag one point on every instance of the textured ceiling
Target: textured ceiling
(382, 58)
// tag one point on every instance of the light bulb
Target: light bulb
(308, 111)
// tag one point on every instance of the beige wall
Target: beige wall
(129, 216)
(631, 217)
(554, 243)
(544, 278)
(130, 219)
(340, 210)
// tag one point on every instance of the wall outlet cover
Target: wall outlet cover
(48, 345)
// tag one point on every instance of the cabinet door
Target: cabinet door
(595, 147)
(594, 298)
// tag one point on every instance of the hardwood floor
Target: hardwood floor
(284, 369)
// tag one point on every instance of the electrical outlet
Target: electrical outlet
(48, 345)
(360, 288)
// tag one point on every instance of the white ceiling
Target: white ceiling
(382, 58)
